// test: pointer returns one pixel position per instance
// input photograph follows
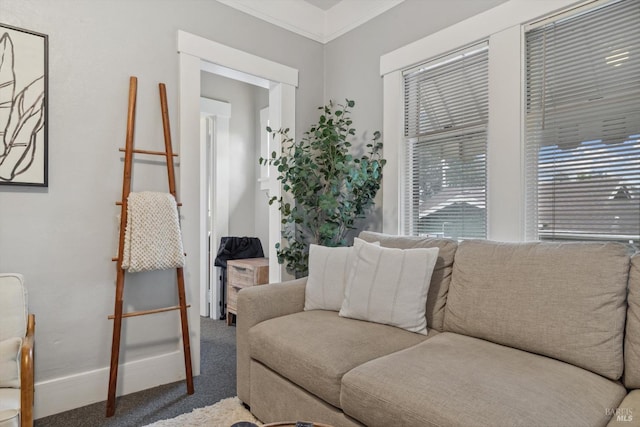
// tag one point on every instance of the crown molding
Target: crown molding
(310, 21)
(297, 16)
(350, 14)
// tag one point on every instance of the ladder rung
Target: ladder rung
(155, 153)
(120, 203)
(145, 312)
(116, 259)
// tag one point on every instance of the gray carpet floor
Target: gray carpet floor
(217, 380)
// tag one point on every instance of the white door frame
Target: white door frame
(214, 133)
(193, 52)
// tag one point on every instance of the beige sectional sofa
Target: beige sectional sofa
(519, 334)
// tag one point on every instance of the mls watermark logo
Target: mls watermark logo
(620, 414)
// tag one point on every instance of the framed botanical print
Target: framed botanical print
(23, 107)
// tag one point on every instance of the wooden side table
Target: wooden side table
(242, 273)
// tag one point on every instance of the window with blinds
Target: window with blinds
(446, 115)
(582, 147)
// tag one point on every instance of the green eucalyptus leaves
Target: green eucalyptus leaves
(330, 186)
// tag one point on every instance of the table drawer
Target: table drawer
(248, 272)
(240, 275)
(232, 297)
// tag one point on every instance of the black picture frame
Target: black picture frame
(24, 95)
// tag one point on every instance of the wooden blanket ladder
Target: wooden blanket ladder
(126, 189)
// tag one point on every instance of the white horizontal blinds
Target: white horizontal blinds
(446, 115)
(583, 125)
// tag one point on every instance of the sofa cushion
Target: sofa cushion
(437, 295)
(13, 306)
(328, 273)
(329, 270)
(632, 336)
(626, 414)
(563, 300)
(389, 285)
(10, 362)
(275, 398)
(314, 349)
(465, 381)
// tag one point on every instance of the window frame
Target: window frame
(503, 26)
(530, 192)
(443, 137)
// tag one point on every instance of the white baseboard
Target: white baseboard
(74, 391)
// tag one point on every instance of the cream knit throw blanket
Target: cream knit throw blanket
(152, 237)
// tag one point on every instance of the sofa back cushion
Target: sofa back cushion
(439, 286)
(562, 300)
(632, 336)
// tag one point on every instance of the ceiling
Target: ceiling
(323, 4)
(319, 20)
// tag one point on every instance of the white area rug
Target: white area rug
(221, 414)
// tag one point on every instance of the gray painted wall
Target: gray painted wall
(63, 238)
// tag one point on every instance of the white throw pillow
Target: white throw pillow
(10, 362)
(389, 285)
(329, 270)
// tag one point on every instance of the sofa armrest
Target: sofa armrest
(627, 414)
(257, 304)
(27, 374)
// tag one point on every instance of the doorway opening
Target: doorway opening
(195, 55)
(236, 204)
(214, 134)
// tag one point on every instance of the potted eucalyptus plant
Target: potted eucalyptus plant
(327, 188)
